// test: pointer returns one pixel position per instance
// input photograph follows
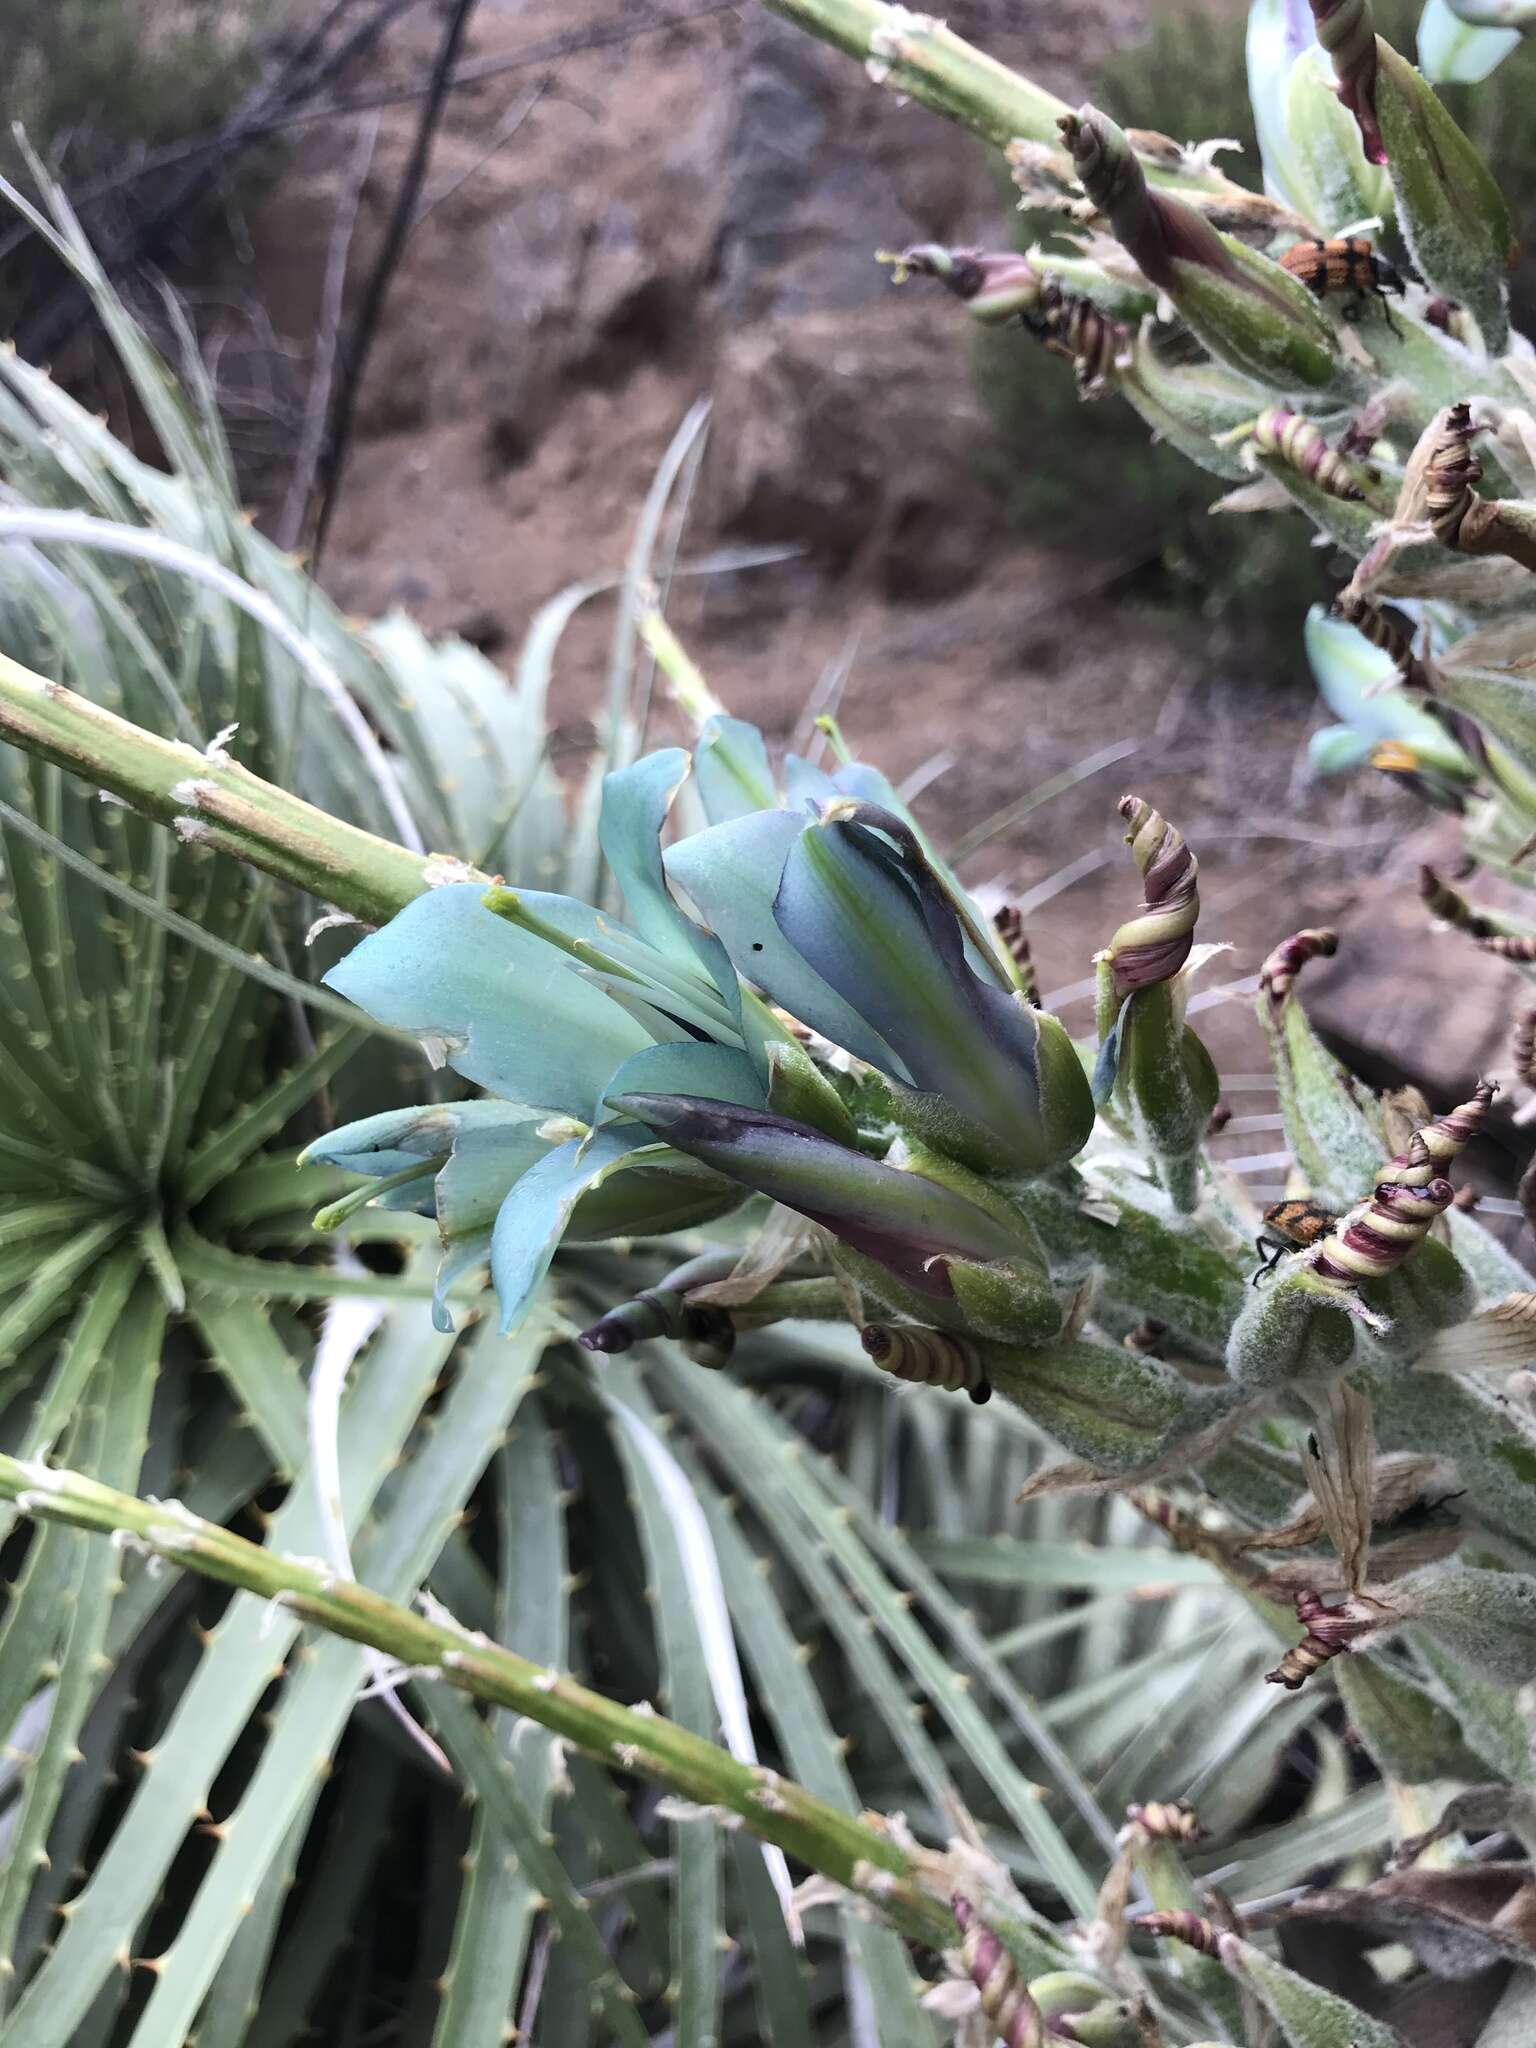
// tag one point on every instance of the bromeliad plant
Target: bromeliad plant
(771, 1019)
(197, 1788)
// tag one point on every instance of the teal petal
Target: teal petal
(515, 1016)
(1107, 1066)
(689, 1068)
(859, 903)
(731, 770)
(637, 802)
(1350, 673)
(1337, 749)
(804, 784)
(389, 1142)
(489, 1156)
(533, 1218)
(1456, 52)
(731, 873)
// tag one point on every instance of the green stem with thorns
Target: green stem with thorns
(214, 803)
(636, 1739)
(914, 54)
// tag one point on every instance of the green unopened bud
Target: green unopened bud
(1246, 310)
(1062, 1993)
(1406, 1732)
(1347, 32)
(1011, 1301)
(1194, 406)
(1159, 1071)
(1291, 1330)
(1449, 210)
(1308, 2016)
(1328, 162)
(797, 1088)
(1116, 1409)
(1487, 1618)
(1112, 2023)
(996, 285)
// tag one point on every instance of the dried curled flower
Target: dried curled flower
(1005, 1997)
(1346, 31)
(1330, 1632)
(1524, 1047)
(1386, 631)
(1453, 471)
(1008, 923)
(1459, 517)
(1278, 975)
(1452, 908)
(1376, 1237)
(927, 1358)
(1443, 1139)
(1165, 1820)
(1074, 327)
(1293, 439)
(1373, 1241)
(1184, 1926)
(1151, 225)
(1153, 945)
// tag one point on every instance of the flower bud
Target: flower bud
(995, 285)
(1330, 167)
(1291, 1330)
(1486, 1618)
(953, 1253)
(1150, 1059)
(1347, 32)
(1450, 212)
(1245, 309)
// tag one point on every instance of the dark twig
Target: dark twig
(299, 77)
(289, 530)
(302, 106)
(376, 290)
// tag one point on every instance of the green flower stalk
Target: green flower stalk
(1245, 309)
(1149, 1058)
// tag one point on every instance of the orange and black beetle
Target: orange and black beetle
(1348, 263)
(1287, 1227)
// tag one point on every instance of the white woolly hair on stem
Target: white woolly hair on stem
(349, 1322)
(108, 536)
(706, 1594)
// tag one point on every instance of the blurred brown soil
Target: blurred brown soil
(694, 213)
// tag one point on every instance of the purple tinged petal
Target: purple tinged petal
(901, 1219)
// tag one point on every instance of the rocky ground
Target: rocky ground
(693, 212)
